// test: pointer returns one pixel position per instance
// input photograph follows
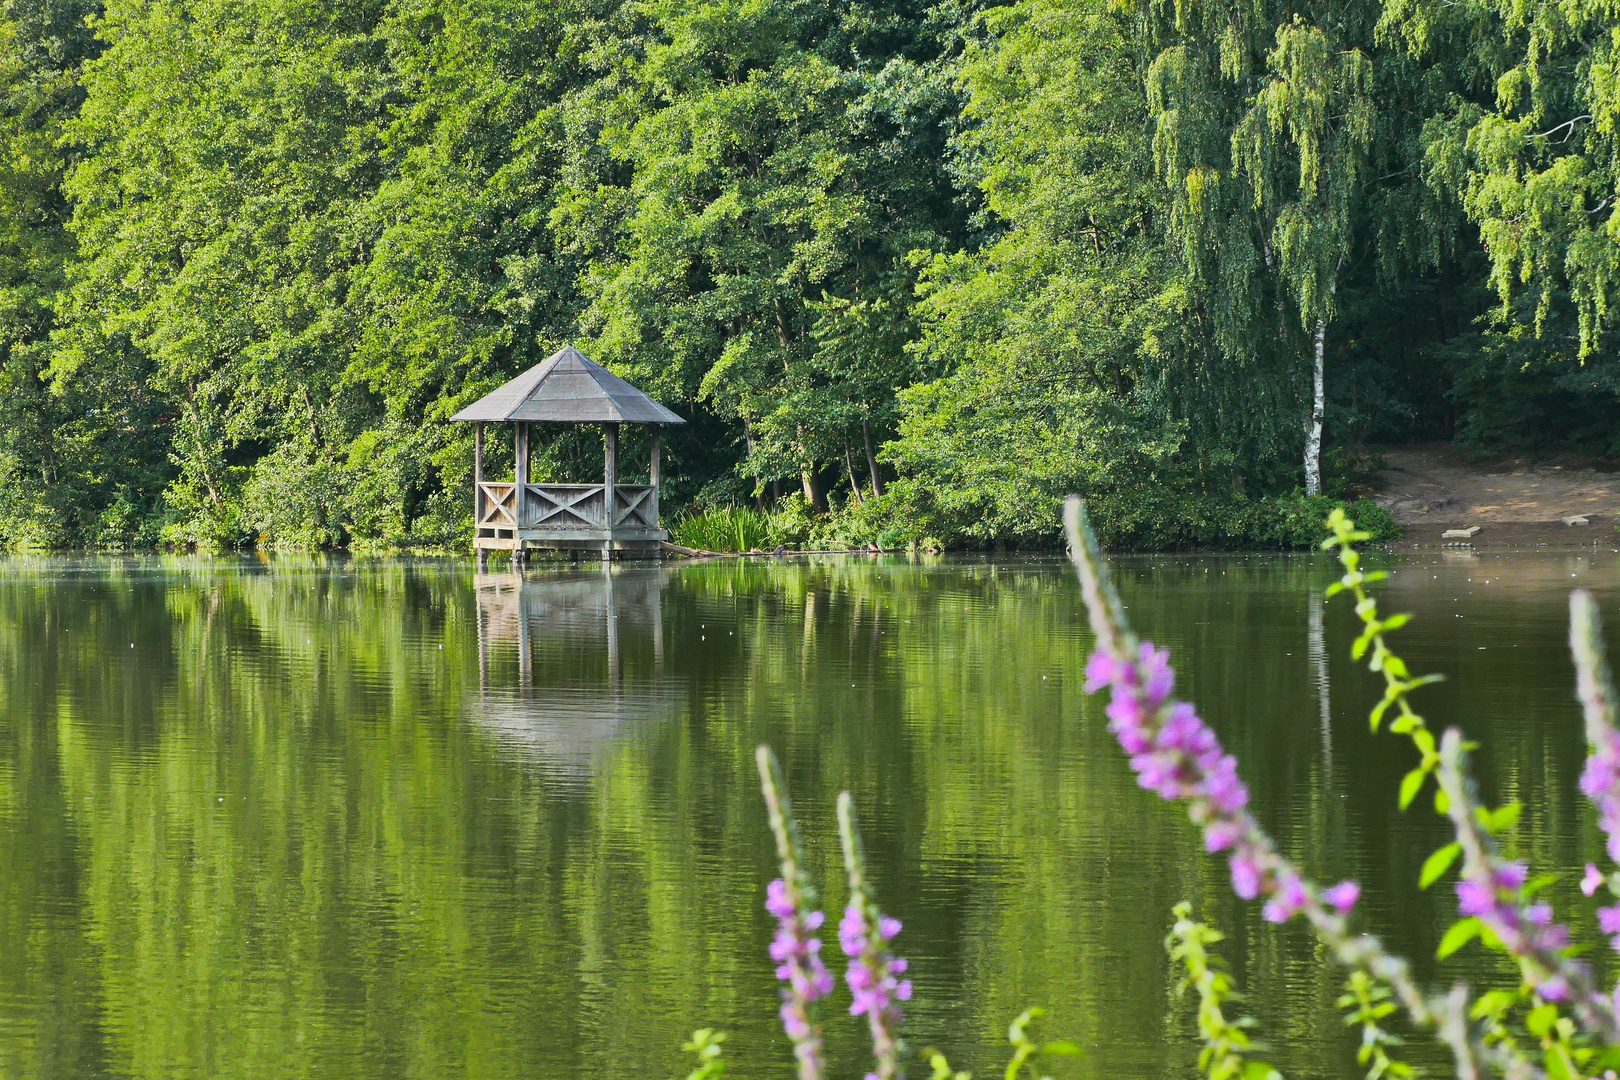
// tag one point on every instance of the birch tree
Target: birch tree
(1263, 151)
(1312, 119)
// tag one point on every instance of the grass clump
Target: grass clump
(726, 528)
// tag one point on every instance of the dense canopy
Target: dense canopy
(908, 269)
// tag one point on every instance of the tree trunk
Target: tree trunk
(1313, 429)
(812, 490)
(854, 482)
(871, 461)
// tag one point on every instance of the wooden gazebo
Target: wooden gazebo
(515, 515)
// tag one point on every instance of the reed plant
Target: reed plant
(726, 528)
(1548, 1020)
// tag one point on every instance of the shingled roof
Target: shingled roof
(568, 387)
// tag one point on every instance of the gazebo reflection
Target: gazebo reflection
(573, 634)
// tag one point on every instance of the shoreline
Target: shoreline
(1601, 534)
(1513, 536)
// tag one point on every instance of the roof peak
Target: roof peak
(568, 387)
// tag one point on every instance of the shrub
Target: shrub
(1295, 521)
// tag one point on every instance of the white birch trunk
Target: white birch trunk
(1313, 429)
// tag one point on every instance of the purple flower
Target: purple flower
(1286, 901)
(1609, 919)
(1156, 674)
(1343, 896)
(1220, 835)
(864, 933)
(1512, 875)
(1600, 780)
(1245, 877)
(1223, 788)
(1101, 670)
(777, 901)
(1495, 895)
(796, 952)
(797, 955)
(1474, 898)
(1176, 755)
(872, 975)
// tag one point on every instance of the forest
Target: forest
(909, 269)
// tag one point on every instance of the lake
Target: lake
(276, 817)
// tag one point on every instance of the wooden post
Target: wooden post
(478, 475)
(652, 473)
(520, 451)
(610, 481)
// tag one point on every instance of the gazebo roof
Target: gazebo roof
(568, 387)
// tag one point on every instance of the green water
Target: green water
(276, 818)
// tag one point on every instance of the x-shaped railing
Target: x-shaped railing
(500, 507)
(563, 506)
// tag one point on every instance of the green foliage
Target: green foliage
(761, 171)
(1499, 908)
(912, 263)
(1368, 1002)
(1228, 1048)
(1295, 521)
(1142, 519)
(706, 1043)
(1027, 1052)
(728, 528)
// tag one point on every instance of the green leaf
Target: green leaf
(1438, 864)
(1442, 801)
(1358, 648)
(1493, 1003)
(1062, 1048)
(1537, 883)
(1504, 818)
(1395, 666)
(1395, 622)
(1259, 1070)
(1460, 934)
(1411, 784)
(1541, 1019)
(1424, 739)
